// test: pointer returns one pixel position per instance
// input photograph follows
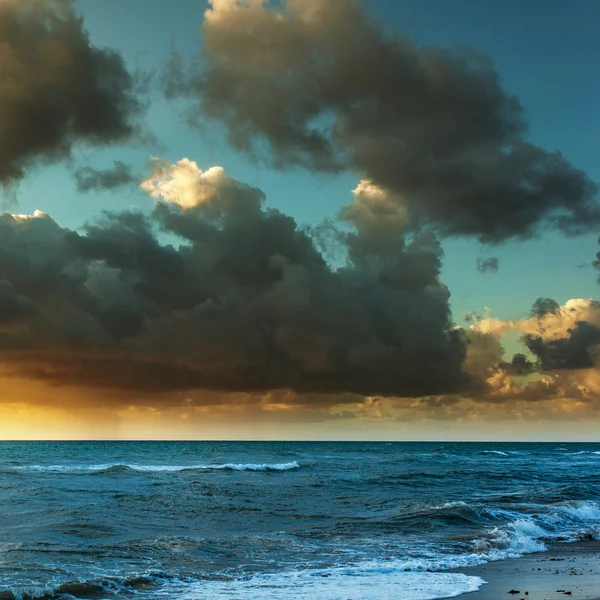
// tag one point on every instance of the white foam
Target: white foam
(161, 468)
(581, 511)
(499, 452)
(572, 521)
(517, 538)
(357, 583)
(526, 537)
(569, 521)
(67, 468)
(447, 505)
(521, 534)
(33, 591)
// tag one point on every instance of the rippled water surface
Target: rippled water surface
(212, 520)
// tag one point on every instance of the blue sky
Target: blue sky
(545, 51)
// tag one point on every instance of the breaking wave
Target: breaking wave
(121, 467)
(498, 452)
(362, 582)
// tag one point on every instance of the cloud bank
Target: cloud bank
(245, 301)
(241, 302)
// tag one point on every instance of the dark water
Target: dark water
(266, 521)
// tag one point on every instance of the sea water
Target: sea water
(282, 520)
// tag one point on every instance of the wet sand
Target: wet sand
(565, 571)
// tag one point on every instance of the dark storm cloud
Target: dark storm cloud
(13, 307)
(519, 365)
(596, 263)
(317, 84)
(544, 306)
(119, 175)
(57, 88)
(245, 303)
(488, 265)
(577, 351)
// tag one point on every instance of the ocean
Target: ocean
(282, 520)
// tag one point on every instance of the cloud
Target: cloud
(559, 394)
(57, 88)
(243, 303)
(318, 84)
(576, 386)
(545, 306)
(187, 186)
(12, 306)
(577, 351)
(488, 265)
(564, 341)
(596, 263)
(548, 320)
(214, 300)
(119, 175)
(519, 365)
(379, 220)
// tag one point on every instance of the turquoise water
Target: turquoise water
(338, 521)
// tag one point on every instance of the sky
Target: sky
(299, 219)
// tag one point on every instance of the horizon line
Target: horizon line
(296, 441)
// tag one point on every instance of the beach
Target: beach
(564, 571)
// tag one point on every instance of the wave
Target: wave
(526, 529)
(530, 532)
(509, 533)
(363, 582)
(449, 513)
(92, 588)
(123, 467)
(499, 452)
(579, 452)
(447, 505)
(587, 452)
(521, 533)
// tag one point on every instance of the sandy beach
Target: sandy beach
(565, 571)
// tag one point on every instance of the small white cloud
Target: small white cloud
(183, 183)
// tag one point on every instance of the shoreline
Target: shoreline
(565, 570)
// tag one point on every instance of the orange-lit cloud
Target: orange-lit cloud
(246, 320)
